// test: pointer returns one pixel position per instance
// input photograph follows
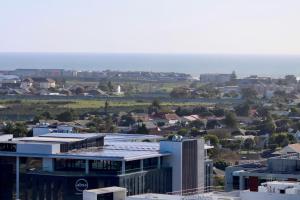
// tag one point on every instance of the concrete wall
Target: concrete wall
(229, 177)
(38, 148)
(40, 131)
(201, 163)
(117, 194)
(65, 129)
(87, 195)
(120, 195)
(175, 161)
(283, 165)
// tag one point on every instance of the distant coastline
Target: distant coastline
(194, 64)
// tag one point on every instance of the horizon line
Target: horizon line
(148, 53)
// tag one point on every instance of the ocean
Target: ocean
(194, 64)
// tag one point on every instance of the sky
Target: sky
(151, 26)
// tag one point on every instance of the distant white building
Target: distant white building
(38, 82)
(47, 83)
(215, 78)
(45, 128)
(119, 91)
(234, 91)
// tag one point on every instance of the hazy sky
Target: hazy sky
(151, 26)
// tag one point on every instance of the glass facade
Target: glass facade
(89, 142)
(68, 179)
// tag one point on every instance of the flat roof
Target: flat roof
(151, 196)
(45, 140)
(55, 138)
(130, 137)
(72, 135)
(121, 151)
(107, 190)
(117, 147)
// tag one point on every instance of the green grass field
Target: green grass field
(78, 104)
(26, 109)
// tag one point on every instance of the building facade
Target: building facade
(61, 166)
(247, 176)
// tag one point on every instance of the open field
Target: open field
(26, 109)
(78, 104)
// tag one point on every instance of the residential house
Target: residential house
(291, 148)
(167, 118)
(26, 83)
(140, 117)
(43, 83)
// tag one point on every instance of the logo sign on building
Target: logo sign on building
(81, 184)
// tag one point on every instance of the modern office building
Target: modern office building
(249, 176)
(63, 165)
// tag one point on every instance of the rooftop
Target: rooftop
(117, 147)
(106, 190)
(58, 138)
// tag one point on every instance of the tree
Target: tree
(281, 139)
(218, 112)
(66, 116)
(96, 125)
(213, 139)
(182, 111)
(109, 125)
(79, 90)
(230, 120)
(262, 112)
(212, 124)
(234, 145)
(183, 132)
(180, 93)
(291, 138)
(161, 124)
(17, 130)
(213, 153)
(103, 87)
(46, 115)
(196, 133)
(20, 130)
(142, 129)
(110, 86)
(106, 106)
(36, 119)
(249, 93)
(203, 111)
(197, 124)
(268, 125)
(233, 77)
(221, 164)
(127, 120)
(249, 144)
(154, 107)
(156, 103)
(9, 128)
(243, 110)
